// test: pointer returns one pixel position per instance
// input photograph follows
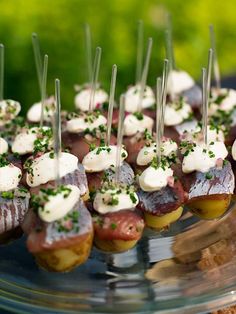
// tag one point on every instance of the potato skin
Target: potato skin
(211, 207)
(60, 250)
(162, 222)
(65, 259)
(114, 246)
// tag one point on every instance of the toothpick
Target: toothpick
(96, 68)
(139, 52)
(111, 103)
(1, 71)
(88, 49)
(158, 119)
(216, 67)
(120, 137)
(204, 105)
(43, 88)
(164, 93)
(144, 74)
(206, 87)
(57, 129)
(169, 43)
(38, 59)
(208, 74)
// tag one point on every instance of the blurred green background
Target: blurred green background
(59, 24)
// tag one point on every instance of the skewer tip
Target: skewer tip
(98, 49)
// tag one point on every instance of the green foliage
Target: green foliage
(59, 24)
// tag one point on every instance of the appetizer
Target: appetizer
(117, 224)
(160, 193)
(14, 200)
(59, 228)
(86, 129)
(207, 177)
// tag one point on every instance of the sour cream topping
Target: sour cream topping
(83, 122)
(102, 158)
(154, 179)
(113, 200)
(43, 168)
(176, 113)
(202, 158)
(59, 205)
(227, 103)
(234, 150)
(82, 99)
(133, 124)
(24, 142)
(132, 98)
(3, 146)
(213, 135)
(34, 113)
(9, 177)
(178, 82)
(9, 109)
(147, 153)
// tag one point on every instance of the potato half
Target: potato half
(210, 208)
(65, 259)
(162, 222)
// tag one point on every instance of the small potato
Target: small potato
(210, 208)
(114, 246)
(119, 231)
(162, 222)
(65, 259)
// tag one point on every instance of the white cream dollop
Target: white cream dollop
(233, 151)
(9, 109)
(203, 158)
(178, 82)
(132, 98)
(147, 153)
(102, 158)
(175, 114)
(226, 104)
(43, 168)
(213, 135)
(3, 146)
(153, 179)
(59, 206)
(82, 99)
(10, 177)
(80, 124)
(133, 125)
(123, 201)
(34, 113)
(24, 141)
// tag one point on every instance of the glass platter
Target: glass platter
(190, 268)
